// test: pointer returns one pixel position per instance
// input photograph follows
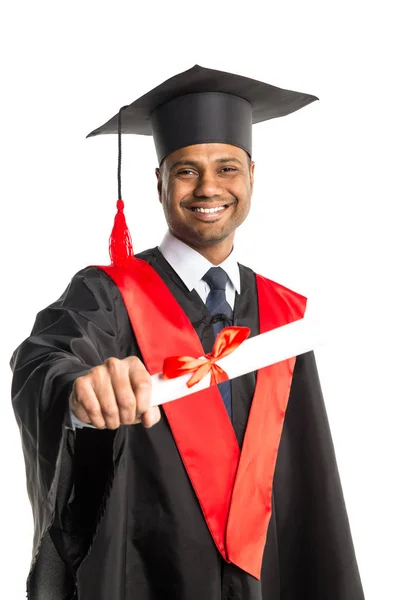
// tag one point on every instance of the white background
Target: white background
(323, 218)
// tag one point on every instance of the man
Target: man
(230, 494)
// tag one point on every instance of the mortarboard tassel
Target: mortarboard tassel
(121, 251)
(120, 244)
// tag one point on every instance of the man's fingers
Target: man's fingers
(84, 403)
(78, 410)
(114, 393)
(104, 391)
(141, 385)
(123, 392)
(151, 417)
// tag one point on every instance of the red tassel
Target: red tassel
(120, 246)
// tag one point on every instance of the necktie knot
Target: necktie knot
(216, 278)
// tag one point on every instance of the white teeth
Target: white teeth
(209, 210)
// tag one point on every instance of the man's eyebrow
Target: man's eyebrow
(229, 159)
(179, 163)
(193, 163)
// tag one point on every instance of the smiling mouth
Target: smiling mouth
(215, 209)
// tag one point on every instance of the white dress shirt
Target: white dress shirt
(191, 266)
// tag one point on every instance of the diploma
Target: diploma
(255, 353)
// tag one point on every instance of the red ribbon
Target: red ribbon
(226, 342)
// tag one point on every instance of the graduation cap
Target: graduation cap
(197, 106)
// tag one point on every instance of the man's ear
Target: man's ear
(159, 183)
(252, 165)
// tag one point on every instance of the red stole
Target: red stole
(233, 487)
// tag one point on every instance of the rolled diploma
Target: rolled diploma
(255, 353)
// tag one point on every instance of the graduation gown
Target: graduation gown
(116, 517)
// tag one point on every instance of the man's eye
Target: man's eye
(227, 169)
(186, 172)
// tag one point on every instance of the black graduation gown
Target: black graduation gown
(115, 514)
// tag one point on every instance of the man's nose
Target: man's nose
(208, 185)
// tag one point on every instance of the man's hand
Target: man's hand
(118, 392)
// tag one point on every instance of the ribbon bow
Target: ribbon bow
(226, 342)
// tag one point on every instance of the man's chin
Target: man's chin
(202, 237)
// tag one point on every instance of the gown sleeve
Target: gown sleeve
(69, 337)
(316, 553)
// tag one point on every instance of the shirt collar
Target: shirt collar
(190, 265)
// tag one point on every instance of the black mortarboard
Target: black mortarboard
(203, 106)
(197, 106)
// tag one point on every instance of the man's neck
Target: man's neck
(214, 253)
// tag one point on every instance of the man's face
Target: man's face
(205, 191)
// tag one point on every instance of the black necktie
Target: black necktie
(217, 305)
